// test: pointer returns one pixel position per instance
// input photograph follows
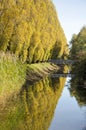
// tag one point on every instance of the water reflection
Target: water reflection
(33, 108)
(78, 83)
(68, 114)
(84, 128)
(78, 90)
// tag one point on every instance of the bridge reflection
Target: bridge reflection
(62, 75)
(62, 62)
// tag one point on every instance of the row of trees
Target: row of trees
(31, 30)
(78, 42)
(78, 53)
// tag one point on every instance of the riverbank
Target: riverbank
(39, 70)
(14, 73)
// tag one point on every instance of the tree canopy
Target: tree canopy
(31, 30)
(78, 41)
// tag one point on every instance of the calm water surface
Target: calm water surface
(47, 105)
(69, 115)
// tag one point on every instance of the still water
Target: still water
(48, 104)
(68, 115)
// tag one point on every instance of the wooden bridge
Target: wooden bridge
(62, 62)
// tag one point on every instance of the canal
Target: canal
(48, 104)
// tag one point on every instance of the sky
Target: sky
(72, 15)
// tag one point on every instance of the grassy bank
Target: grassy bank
(13, 73)
(39, 70)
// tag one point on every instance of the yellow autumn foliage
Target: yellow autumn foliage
(30, 29)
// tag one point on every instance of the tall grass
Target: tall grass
(12, 73)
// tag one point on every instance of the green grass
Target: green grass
(12, 74)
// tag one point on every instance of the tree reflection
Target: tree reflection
(78, 90)
(84, 128)
(33, 108)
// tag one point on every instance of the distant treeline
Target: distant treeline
(78, 42)
(78, 51)
(31, 30)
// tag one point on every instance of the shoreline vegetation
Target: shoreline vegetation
(14, 73)
(78, 52)
(30, 30)
(39, 70)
